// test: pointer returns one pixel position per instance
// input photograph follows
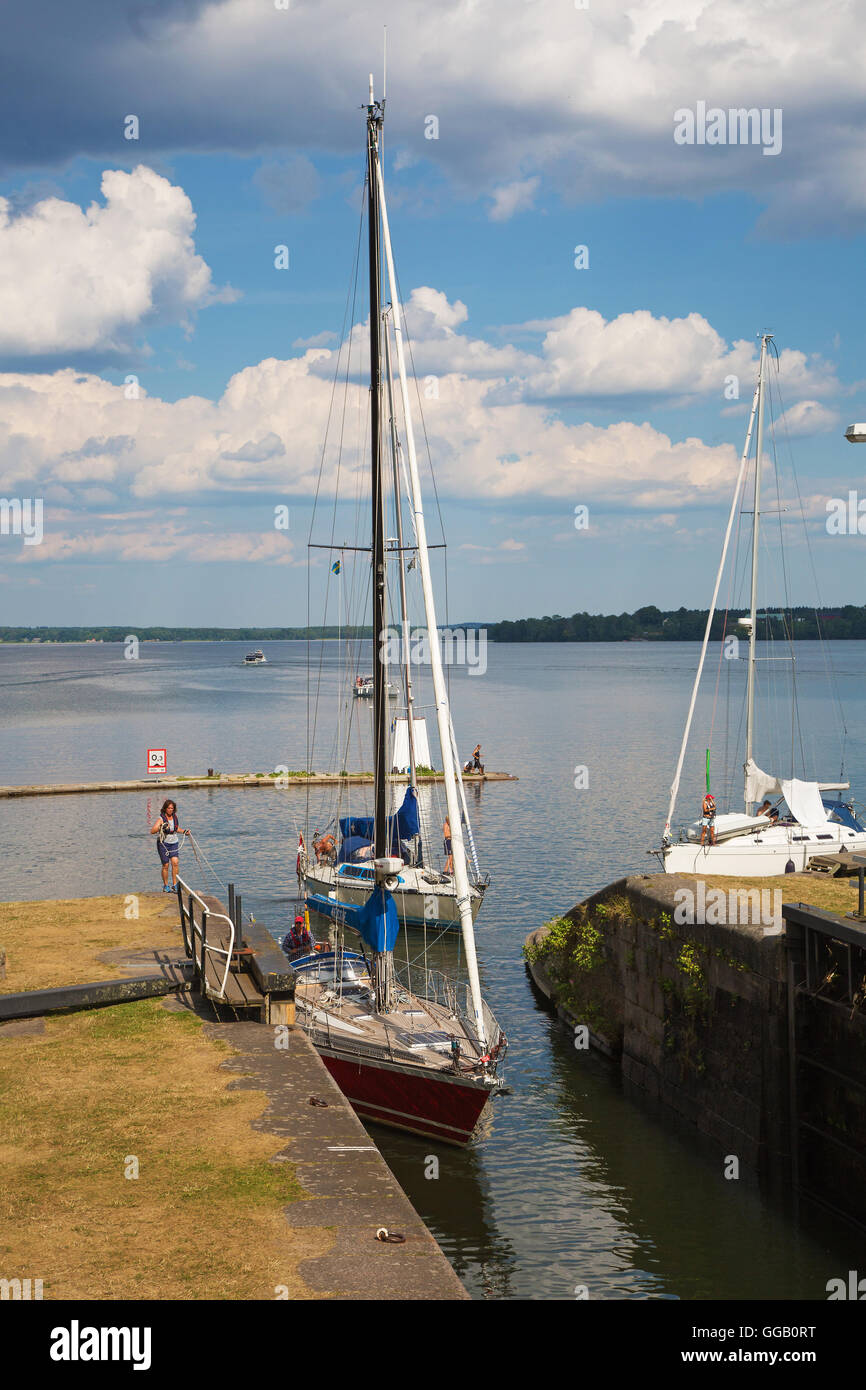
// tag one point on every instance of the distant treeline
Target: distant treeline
(680, 625)
(646, 625)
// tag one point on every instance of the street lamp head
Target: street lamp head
(856, 434)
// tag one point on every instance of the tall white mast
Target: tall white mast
(753, 605)
(443, 715)
(675, 785)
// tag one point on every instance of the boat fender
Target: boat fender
(390, 1237)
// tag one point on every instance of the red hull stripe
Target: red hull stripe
(417, 1123)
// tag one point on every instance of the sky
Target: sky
(587, 250)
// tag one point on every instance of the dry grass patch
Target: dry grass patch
(55, 943)
(818, 890)
(203, 1219)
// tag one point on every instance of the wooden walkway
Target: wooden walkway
(259, 980)
(837, 865)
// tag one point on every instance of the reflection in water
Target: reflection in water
(458, 1207)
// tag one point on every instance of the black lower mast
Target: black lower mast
(380, 805)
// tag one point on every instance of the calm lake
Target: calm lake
(574, 1183)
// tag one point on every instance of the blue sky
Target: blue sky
(557, 386)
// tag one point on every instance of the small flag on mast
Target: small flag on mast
(335, 568)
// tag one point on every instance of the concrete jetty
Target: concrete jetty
(243, 779)
(206, 1155)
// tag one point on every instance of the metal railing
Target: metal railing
(453, 995)
(196, 943)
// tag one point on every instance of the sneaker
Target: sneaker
(168, 888)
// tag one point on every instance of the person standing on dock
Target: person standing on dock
(477, 765)
(167, 827)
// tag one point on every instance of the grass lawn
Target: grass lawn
(85, 1094)
(59, 941)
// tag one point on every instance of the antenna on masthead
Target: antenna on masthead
(372, 100)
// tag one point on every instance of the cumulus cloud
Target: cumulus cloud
(85, 280)
(496, 453)
(586, 97)
(493, 424)
(807, 418)
(584, 356)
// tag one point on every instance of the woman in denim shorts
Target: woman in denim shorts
(167, 828)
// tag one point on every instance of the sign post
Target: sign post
(157, 760)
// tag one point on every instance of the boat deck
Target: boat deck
(417, 1031)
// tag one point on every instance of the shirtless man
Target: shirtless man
(324, 848)
(446, 833)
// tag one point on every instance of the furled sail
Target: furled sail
(803, 798)
(376, 921)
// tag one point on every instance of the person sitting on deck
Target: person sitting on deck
(297, 938)
(167, 827)
(708, 818)
(767, 809)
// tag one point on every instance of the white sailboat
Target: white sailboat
(417, 1052)
(426, 895)
(800, 819)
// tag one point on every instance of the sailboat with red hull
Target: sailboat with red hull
(417, 1051)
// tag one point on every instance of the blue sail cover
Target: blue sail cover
(377, 920)
(357, 831)
(843, 813)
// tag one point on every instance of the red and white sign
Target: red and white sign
(157, 760)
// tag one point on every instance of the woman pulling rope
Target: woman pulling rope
(168, 828)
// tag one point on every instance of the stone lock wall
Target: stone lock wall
(695, 1015)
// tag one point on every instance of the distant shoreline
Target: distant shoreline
(649, 624)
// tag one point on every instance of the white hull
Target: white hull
(423, 899)
(764, 853)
